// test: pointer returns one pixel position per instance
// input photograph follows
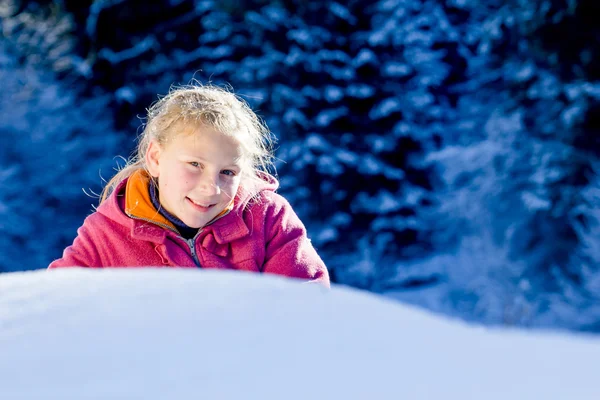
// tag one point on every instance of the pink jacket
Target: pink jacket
(265, 236)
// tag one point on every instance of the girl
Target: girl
(197, 194)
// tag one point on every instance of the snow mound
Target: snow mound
(178, 334)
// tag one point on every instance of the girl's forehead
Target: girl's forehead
(205, 141)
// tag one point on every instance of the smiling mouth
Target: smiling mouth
(200, 206)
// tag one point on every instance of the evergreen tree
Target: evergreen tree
(517, 186)
(53, 144)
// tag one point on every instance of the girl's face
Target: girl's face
(198, 174)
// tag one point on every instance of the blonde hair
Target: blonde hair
(204, 106)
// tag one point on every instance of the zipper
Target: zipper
(191, 242)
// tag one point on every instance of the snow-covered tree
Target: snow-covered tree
(53, 146)
(513, 168)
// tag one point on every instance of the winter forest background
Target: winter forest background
(441, 152)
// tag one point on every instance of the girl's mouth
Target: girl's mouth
(200, 206)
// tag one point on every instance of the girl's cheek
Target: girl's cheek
(186, 176)
(228, 187)
(232, 183)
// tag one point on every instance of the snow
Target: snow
(295, 115)
(95, 9)
(327, 235)
(329, 166)
(117, 57)
(383, 201)
(342, 12)
(158, 334)
(325, 117)
(301, 36)
(333, 93)
(395, 70)
(365, 56)
(385, 108)
(360, 91)
(126, 94)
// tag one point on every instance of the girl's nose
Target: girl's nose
(209, 185)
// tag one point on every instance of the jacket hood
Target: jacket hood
(243, 197)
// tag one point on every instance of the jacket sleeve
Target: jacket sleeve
(83, 252)
(289, 251)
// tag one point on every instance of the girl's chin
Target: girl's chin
(195, 223)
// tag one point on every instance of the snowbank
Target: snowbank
(157, 334)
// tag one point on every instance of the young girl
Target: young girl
(197, 195)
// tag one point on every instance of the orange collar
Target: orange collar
(138, 203)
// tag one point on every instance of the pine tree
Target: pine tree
(53, 144)
(517, 186)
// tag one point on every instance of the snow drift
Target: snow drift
(157, 334)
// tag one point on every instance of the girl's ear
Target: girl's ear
(153, 158)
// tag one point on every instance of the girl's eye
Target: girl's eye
(195, 164)
(228, 172)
